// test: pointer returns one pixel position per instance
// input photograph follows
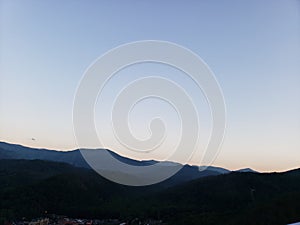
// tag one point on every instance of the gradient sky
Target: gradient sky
(253, 47)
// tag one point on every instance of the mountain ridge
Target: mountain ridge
(29, 187)
(75, 158)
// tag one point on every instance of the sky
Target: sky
(253, 48)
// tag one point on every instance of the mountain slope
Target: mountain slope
(13, 151)
(233, 199)
(236, 198)
(187, 173)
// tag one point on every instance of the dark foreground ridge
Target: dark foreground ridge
(28, 188)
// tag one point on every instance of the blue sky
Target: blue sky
(253, 47)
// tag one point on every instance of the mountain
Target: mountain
(236, 198)
(30, 187)
(13, 151)
(247, 170)
(215, 169)
(74, 158)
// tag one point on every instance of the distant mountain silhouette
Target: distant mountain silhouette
(13, 151)
(248, 170)
(74, 158)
